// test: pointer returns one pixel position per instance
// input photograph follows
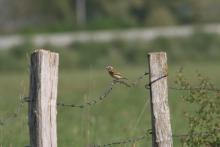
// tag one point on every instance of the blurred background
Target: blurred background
(91, 34)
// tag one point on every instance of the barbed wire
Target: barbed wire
(188, 89)
(92, 102)
(194, 134)
(100, 98)
(5, 119)
(13, 115)
(149, 132)
(125, 141)
(147, 86)
(137, 81)
(105, 94)
(194, 88)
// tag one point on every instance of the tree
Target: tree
(81, 12)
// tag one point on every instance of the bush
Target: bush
(204, 127)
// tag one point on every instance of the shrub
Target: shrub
(204, 126)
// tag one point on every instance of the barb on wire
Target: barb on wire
(125, 141)
(104, 95)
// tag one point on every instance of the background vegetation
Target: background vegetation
(62, 15)
(126, 112)
(199, 47)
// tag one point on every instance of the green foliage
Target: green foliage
(199, 47)
(109, 23)
(161, 16)
(49, 14)
(204, 127)
(20, 52)
(16, 58)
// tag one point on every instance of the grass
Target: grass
(117, 117)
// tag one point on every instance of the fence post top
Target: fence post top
(43, 51)
(155, 53)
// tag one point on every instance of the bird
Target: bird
(115, 74)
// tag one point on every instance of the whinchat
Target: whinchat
(114, 74)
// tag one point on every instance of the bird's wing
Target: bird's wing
(118, 73)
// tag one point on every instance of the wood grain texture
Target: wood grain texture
(161, 127)
(43, 98)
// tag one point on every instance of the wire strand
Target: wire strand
(105, 94)
(125, 141)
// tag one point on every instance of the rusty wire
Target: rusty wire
(93, 101)
(125, 141)
(147, 86)
(100, 98)
(194, 88)
(146, 134)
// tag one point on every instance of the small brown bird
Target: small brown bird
(114, 74)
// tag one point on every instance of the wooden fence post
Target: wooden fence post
(161, 127)
(43, 98)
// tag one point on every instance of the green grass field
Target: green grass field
(124, 113)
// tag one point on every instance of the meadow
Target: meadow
(123, 114)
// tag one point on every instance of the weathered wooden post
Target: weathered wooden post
(43, 98)
(161, 127)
